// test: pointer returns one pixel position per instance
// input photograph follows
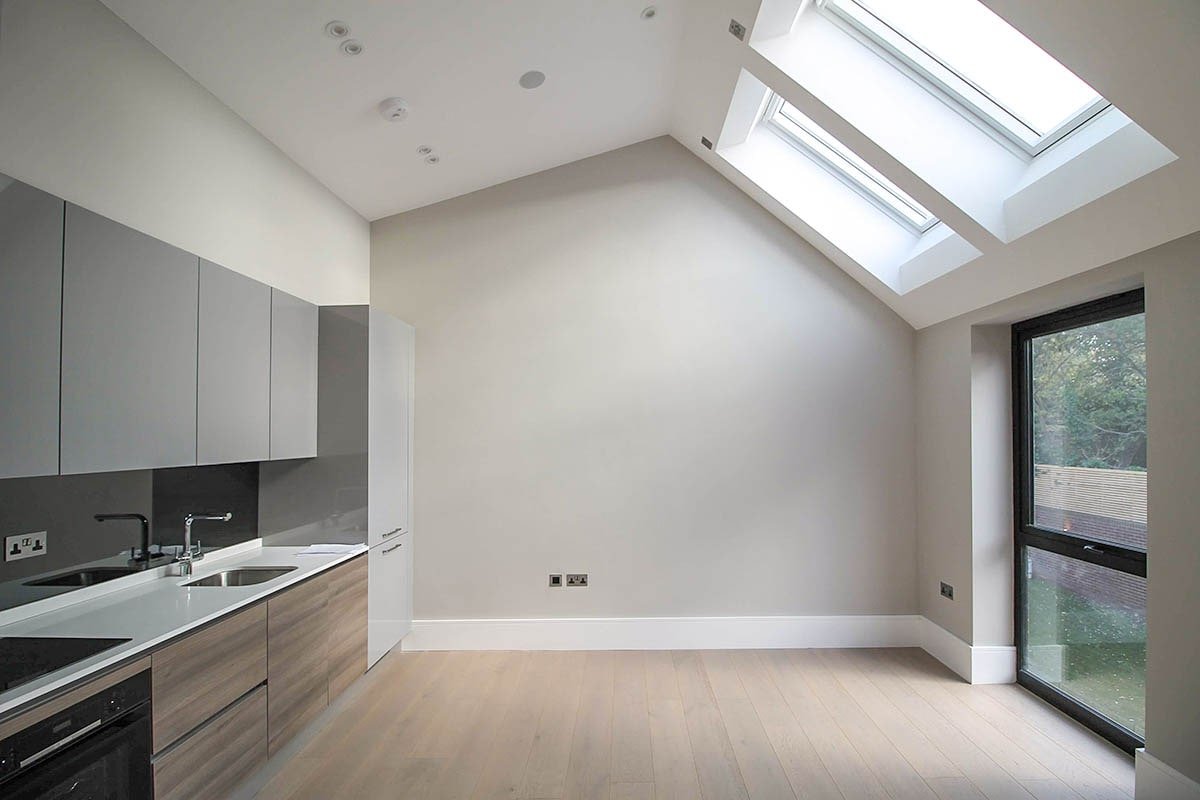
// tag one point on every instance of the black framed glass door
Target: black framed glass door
(1079, 419)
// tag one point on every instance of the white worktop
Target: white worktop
(155, 611)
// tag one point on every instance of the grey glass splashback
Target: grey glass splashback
(324, 499)
(64, 507)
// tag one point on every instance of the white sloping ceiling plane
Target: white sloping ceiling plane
(621, 71)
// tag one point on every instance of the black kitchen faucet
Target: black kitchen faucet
(144, 555)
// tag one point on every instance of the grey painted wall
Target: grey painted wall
(626, 367)
(953, 541)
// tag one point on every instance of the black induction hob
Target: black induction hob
(23, 658)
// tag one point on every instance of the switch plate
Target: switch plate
(24, 545)
(947, 591)
(556, 581)
(577, 579)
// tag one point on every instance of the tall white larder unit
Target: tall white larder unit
(391, 365)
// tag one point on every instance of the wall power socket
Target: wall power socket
(24, 545)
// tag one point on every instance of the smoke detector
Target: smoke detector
(393, 109)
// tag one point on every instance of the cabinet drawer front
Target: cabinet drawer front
(195, 678)
(298, 641)
(347, 625)
(212, 762)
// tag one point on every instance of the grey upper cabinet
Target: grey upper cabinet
(128, 348)
(233, 401)
(294, 326)
(31, 230)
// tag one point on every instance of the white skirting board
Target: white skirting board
(979, 664)
(976, 664)
(1157, 781)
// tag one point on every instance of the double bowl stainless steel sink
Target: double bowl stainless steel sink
(243, 576)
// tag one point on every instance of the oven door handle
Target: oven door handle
(61, 743)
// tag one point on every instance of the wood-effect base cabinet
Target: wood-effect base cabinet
(228, 697)
(297, 672)
(212, 761)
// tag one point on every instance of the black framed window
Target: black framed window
(1079, 424)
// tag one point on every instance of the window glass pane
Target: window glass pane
(845, 163)
(1085, 633)
(1089, 431)
(997, 59)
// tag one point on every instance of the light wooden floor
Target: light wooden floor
(716, 725)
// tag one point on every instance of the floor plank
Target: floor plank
(716, 765)
(893, 770)
(589, 774)
(503, 773)
(850, 772)
(631, 755)
(808, 776)
(761, 771)
(546, 770)
(670, 745)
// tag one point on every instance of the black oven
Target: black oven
(98, 749)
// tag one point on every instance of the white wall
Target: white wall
(626, 367)
(1173, 571)
(959, 397)
(91, 112)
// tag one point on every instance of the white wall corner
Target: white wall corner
(665, 633)
(1155, 780)
(975, 664)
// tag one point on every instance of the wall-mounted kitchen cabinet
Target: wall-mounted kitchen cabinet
(233, 413)
(293, 426)
(129, 319)
(31, 234)
(122, 352)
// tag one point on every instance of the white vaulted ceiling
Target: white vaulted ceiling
(614, 78)
(610, 76)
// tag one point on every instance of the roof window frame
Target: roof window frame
(942, 80)
(819, 145)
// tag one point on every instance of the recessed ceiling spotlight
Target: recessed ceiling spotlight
(532, 79)
(337, 29)
(352, 47)
(424, 150)
(649, 12)
(431, 159)
(393, 109)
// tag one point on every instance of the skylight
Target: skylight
(966, 52)
(805, 135)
